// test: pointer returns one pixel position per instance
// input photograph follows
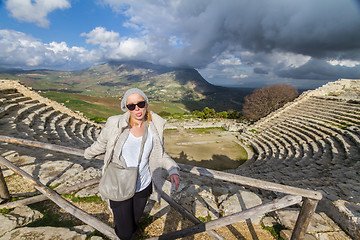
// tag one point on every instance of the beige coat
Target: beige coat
(119, 124)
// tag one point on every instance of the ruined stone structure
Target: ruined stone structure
(312, 143)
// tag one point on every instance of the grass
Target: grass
(50, 218)
(89, 199)
(253, 131)
(92, 107)
(275, 230)
(5, 210)
(205, 219)
(146, 221)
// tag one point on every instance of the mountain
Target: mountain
(112, 79)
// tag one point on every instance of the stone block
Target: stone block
(44, 233)
(286, 235)
(20, 216)
(269, 221)
(332, 236)
(239, 202)
(317, 223)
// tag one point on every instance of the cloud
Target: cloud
(230, 41)
(318, 69)
(19, 50)
(260, 71)
(112, 46)
(100, 36)
(320, 28)
(262, 36)
(34, 11)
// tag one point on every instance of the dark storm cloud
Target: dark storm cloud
(320, 70)
(242, 39)
(260, 71)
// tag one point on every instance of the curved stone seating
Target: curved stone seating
(59, 125)
(278, 143)
(338, 111)
(71, 130)
(328, 116)
(322, 137)
(288, 143)
(344, 105)
(24, 113)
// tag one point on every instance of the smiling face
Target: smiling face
(138, 114)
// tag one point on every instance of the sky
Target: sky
(242, 43)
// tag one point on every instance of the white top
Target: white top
(130, 152)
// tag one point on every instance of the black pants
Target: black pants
(127, 213)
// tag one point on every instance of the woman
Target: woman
(129, 127)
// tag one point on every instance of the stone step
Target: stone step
(279, 144)
(70, 128)
(327, 117)
(10, 96)
(342, 104)
(25, 111)
(36, 115)
(338, 110)
(6, 91)
(288, 143)
(335, 116)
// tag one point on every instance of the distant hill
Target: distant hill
(112, 79)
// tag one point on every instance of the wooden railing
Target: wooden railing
(293, 196)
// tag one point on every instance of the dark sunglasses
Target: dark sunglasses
(131, 107)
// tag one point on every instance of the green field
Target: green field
(99, 109)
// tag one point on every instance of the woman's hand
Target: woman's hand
(175, 178)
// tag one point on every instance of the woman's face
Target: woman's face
(138, 113)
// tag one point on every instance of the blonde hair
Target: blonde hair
(147, 118)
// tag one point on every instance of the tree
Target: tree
(266, 100)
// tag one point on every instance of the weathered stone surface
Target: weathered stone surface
(269, 221)
(200, 209)
(89, 191)
(81, 176)
(8, 223)
(43, 233)
(286, 235)
(83, 229)
(24, 162)
(56, 172)
(347, 215)
(241, 201)
(20, 216)
(317, 223)
(340, 235)
(96, 238)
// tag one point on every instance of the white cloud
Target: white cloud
(240, 76)
(35, 11)
(100, 36)
(230, 61)
(114, 47)
(21, 50)
(346, 63)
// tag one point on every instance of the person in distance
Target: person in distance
(130, 126)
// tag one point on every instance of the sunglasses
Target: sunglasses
(131, 107)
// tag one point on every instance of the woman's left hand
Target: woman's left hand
(175, 178)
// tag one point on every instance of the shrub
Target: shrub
(266, 100)
(211, 113)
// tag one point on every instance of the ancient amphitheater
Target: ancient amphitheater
(312, 143)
